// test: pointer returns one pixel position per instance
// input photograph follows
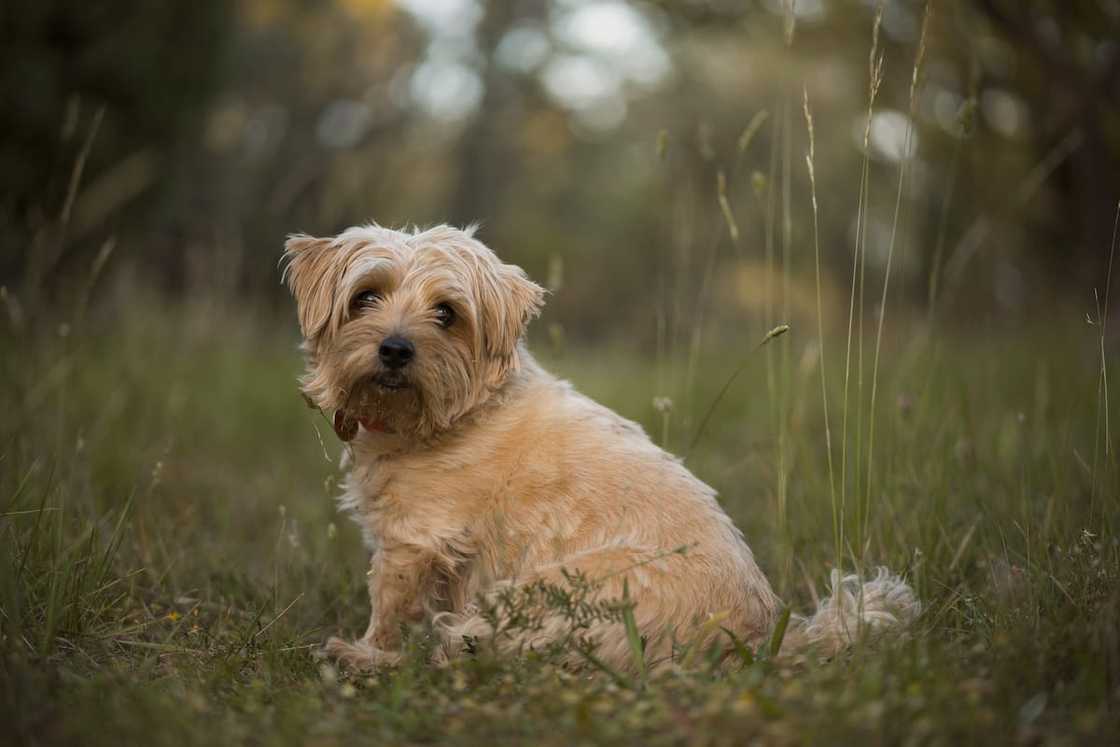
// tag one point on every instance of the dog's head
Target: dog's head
(406, 332)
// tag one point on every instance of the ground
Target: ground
(171, 556)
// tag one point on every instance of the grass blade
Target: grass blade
(779, 632)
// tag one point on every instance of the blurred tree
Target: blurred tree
(1070, 79)
(588, 136)
(132, 79)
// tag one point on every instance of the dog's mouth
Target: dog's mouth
(391, 381)
(372, 404)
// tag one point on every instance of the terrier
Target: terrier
(472, 470)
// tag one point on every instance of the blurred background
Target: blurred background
(645, 160)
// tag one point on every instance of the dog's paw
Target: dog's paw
(360, 655)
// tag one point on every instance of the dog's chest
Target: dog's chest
(493, 513)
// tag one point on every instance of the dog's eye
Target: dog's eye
(445, 315)
(364, 300)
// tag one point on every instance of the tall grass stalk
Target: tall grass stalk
(777, 368)
(981, 229)
(778, 331)
(810, 164)
(785, 459)
(1102, 378)
(44, 253)
(725, 208)
(773, 395)
(696, 337)
(964, 125)
(874, 80)
(903, 171)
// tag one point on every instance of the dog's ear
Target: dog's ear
(312, 275)
(509, 301)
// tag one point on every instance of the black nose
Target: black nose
(395, 352)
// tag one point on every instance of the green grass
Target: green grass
(171, 557)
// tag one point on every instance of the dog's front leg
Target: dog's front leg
(400, 579)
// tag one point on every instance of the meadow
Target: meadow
(171, 556)
(171, 553)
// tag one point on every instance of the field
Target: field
(171, 556)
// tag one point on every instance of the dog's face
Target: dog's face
(406, 332)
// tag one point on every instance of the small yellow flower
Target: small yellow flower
(173, 616)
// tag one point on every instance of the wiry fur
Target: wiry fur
(488, 472)
(855, 607)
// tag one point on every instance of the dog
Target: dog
(471, 470)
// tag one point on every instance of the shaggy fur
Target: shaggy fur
(472, 469)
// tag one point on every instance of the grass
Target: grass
(170, 554)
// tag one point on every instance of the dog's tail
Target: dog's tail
(855, 607)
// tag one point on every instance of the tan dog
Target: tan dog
(473, 469)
